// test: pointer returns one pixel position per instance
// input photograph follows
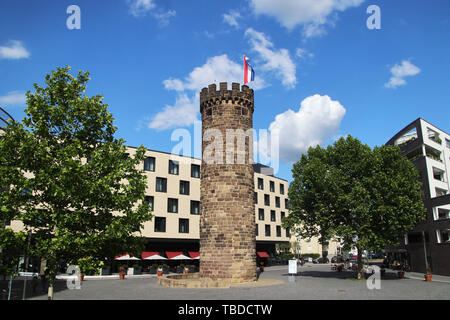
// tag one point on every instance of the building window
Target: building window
(173, 167)
(195, 171)
(277, 202)
(257, 230)
(266, 200)
(149, 164)
(255, 197)
(447, 143)
(443, 236)
(288, 233)
(261, 214)
(273, 215)
(282, 216)
(260, 184)
(281, 188)
(443, 214)
(278, 231)
(272, 186)
(183, 225)
(267, 230)
(160, 224)
(440, 192)
(184, 187)
(172, 205)
(150, 201)
(161, 184)
(286, 202)
(195, 207)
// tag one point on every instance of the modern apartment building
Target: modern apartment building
(428, 148)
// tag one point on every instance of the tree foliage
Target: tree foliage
(69, 180)
(369, 198)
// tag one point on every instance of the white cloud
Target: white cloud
(185, 110)
(399, 72)
(216, 69)
(316, 122)
(140, 8)
(13, 98)
(164, 18)
(277, 61)
(232, 18)
(183, 113)
(15, 50)
(303, 53)
(313, 15)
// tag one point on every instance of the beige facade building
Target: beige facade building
(174, 194)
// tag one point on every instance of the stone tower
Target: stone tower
(227, 224)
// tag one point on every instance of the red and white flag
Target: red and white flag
(249, 73)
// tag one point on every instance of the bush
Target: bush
(287, 256)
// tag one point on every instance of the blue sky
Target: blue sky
(320, 72)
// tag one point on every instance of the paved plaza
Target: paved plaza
(317, 282)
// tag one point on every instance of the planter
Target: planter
(401, 274)
(122, 275)
(427, 277)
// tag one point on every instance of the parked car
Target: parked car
(321, 260)
(337, 259)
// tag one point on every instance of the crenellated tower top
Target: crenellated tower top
(210, 96)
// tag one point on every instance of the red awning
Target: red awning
(262, 254)
(148, 254)
(194, 254)
(173, 254)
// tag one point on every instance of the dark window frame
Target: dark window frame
(174, 167)
(186, 226)
(163, 185)
(161, 224)
(170, 205)
(186, 187)
(192, 171)
(148, 167)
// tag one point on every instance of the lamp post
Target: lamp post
(26, 267)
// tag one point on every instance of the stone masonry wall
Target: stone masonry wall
(227, 224)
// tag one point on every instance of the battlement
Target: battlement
(210, 96)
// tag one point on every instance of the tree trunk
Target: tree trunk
(360, 265)
(50, 289)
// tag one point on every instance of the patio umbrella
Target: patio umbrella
(126, 257)
(152, 256)
(177, 256)
(195, 255)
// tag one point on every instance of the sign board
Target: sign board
(293, 266)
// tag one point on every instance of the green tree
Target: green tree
(70, 181)
(369, 198)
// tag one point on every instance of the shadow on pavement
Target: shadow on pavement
(32, 289)
(340, 275)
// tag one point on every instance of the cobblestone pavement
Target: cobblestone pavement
(317, 282)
